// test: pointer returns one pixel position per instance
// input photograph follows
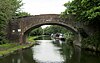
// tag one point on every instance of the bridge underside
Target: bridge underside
(60, 24)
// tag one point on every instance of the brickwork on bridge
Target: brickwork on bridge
(19, 27)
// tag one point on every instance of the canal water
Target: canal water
(49, 51)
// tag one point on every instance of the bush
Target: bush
(93, 41)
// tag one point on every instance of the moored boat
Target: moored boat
(58, 36)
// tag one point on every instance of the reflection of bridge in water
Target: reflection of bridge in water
(20, 27)
(71, 53)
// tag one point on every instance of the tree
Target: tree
(86, 11)
(55, 29)
(37, 31)
(52, 29)
(22, 14)
(8, 10)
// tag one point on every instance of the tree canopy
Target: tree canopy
(55, 29)
(37, 31)
(8, 10)
(86, 11)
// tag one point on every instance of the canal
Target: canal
(49, 51)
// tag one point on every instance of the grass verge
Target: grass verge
(31, 38)
(10, 48)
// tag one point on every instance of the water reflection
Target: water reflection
(71, 54)
(20, 57)
(48, 51)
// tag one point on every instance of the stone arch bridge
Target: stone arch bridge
(20, 27)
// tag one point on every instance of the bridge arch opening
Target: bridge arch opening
(74, 31)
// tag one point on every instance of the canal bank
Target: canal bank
(48, 51)
(10, 48)
(8, 51)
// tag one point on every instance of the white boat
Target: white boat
(57, 36)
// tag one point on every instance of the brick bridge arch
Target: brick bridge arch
(19, 27)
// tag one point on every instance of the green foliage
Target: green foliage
(8, 10)
(69, 35)
(37, 31)
(32, 38)
(93, 41)
(21, 14)
(86, 11)
(55, 29)
(10, 48)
